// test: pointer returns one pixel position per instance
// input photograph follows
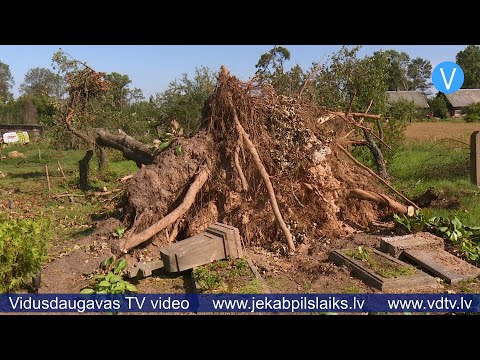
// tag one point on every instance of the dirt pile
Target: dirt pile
(295, 142)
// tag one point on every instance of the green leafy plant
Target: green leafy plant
(449, 228)
(119, 232)
(111, 281)
(171, 138)
(23, 249)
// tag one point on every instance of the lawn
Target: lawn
(439, 158)
(25, 193)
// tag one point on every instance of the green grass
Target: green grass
(25, 185)
(386, 269)
(444, 166)
(227, 276)
(22, 173)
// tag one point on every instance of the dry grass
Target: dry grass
(433, 131)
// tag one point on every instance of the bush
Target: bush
(472, 118)
(23, 249)
(438, 105)
(473, 112)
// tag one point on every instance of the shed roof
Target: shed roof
(464, 97)
(417, 97)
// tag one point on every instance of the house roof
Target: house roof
(416, 96)
(464, 97)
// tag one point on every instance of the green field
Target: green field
(442, 164)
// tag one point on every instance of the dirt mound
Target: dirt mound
(296, 145)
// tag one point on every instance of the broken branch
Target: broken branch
(381, 199)
(371, 172)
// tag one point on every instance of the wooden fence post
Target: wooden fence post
(475, 158)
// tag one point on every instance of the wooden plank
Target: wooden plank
(231, 236)
(144, 269)
(195, 251)
(408, 282)
(475, 158)
(443, 264)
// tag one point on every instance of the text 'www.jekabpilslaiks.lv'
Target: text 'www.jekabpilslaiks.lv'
(303, 304)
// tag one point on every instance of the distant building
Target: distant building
(461, 98)
(35, 132)
(416, 97)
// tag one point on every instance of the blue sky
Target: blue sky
(152, 67)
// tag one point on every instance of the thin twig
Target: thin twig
(296, 198)
(60, 167)
(48, 177)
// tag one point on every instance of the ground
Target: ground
(435, 155)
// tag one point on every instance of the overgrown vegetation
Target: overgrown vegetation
(227, 276)
(23, 249)
(385, 269)
(450, 228)
(472, 113)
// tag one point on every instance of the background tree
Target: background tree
(6, 83)
(184, 99)
(271, 68)
(438, 105)
(43, 82)
(406, 74)
(469, 61)
(120, 90)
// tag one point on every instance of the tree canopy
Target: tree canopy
(6, 83)
(42, 81)
(469, 61)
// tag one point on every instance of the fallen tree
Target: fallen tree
(262, 162)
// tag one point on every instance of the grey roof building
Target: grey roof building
(461, 98)
(416, 97)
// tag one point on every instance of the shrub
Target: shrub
(23, 249)
(473, 112)
(438, 105)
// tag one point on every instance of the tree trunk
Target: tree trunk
(83, 166)
(102, 159)
(131, 148)
(377, 154)
(380, 130)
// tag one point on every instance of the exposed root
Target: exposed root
(172, 217)
(266, 178)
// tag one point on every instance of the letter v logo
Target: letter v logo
(447, 86)
(455, 77)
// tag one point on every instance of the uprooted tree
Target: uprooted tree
(269, 164)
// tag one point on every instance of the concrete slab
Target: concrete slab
(359, 269)
(395, 245)
(442, 264)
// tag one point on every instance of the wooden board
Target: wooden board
(231, 237)
(195, 251)
(372, 278)
(442, 264)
